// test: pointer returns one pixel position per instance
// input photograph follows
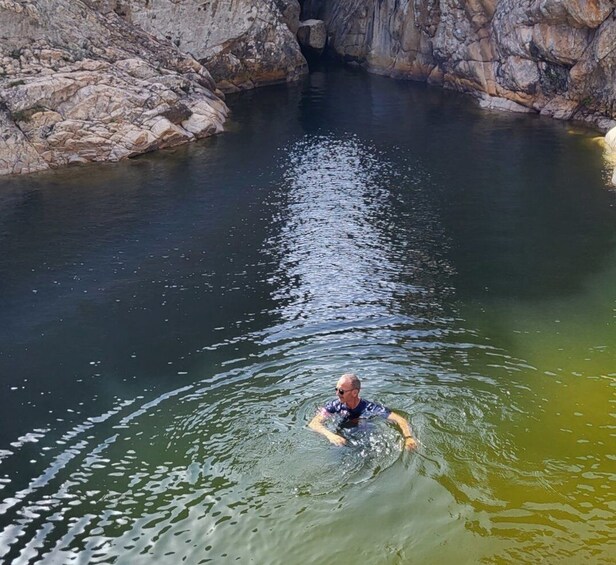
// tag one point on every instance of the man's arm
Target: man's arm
(409, 441)
(316, 424)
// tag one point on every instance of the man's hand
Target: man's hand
(316, 424)
(336, 440)
(410, 444)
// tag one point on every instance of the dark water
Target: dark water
(170, 325)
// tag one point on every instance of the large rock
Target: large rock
(312, 36)
(98, 91)
(243, 43)
(610, 151)
(551, 56)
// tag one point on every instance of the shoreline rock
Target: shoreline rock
(553, 57)
(610, 151)
(103, 80)
(101, 90)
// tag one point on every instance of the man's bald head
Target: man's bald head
(351, 381)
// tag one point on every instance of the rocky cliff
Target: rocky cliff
(555, 57)
(243, 43)
(94, 80)
(78, 86)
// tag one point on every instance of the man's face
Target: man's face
(344, 390)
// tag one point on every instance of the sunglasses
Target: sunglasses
(342, 392)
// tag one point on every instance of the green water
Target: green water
(172, 323)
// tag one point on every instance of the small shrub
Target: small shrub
(26, 115)
(177, 114)
(586, 101)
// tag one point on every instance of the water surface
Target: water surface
(170, 324)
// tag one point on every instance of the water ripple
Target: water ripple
(219, 464)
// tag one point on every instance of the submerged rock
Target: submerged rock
(79, 86)
(243, 43)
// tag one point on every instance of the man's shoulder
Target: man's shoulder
(333, 406)
(376, 409)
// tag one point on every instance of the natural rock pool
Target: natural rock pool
(170, 324)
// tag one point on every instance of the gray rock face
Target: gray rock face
(243, 43)
(80, 80)
(78, 86)
(312, 35)
(290, 10)
(551, 56)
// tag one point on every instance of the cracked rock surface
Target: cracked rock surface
(556, 57)
(243, 43)
(77, 85)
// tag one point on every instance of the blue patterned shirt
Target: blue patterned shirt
(365, 409)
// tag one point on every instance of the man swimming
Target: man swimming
(351, 407)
